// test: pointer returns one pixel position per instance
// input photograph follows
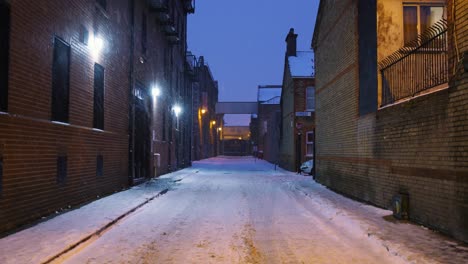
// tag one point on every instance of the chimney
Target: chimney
(291, 43)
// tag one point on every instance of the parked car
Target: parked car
(308, 167)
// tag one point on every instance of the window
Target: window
(99, 166)
(310, 144)
(61, 169)
(98, 120)
(310, 98)
(418, 18)
(144, 34)
(60, 80)
(102, 3)
(4, 54)
(84, 35)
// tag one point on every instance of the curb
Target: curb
(103, 229)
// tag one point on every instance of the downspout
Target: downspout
(131, 170)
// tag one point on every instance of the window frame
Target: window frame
(309, 143)
(63, 114)
(307, 98)
(418, 15)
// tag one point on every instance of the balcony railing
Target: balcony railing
(420, 65)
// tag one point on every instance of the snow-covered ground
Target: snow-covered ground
(230, 210)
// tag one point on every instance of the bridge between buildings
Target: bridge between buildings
(236, 139)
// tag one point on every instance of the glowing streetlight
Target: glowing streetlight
(220, 129)
(203, 111)
(213, 122)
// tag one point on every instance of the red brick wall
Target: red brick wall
(418, 147)
(30, 142)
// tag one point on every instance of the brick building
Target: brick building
(162, 86)
(268, 122)
(392, 96)
(297, 107)
(206, 122)
(77, 117)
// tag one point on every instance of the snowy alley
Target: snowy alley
(229, 210)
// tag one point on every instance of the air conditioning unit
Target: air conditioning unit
(400, 206)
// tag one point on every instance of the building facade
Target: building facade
(87, 97)
(268, 122)
(297, 107)
(64, 111)
(206, 122)
(391, 106)
(162, 87)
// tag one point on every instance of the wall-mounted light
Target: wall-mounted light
(177, 110)
(96, 44)
(220, 129)
(213, 122)
(203, 111)
(155, 91)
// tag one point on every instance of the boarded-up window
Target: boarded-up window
(60, 81)
(310, 98)
(4, 54)
(98, 120)
(61, 169)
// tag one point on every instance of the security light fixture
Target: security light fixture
(155, 91)
(177, 110)
(96, 45)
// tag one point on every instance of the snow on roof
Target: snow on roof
(265, 94)
(302, 65)
(274, 100)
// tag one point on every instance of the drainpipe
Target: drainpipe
(131, 167)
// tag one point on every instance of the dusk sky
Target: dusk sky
(243, 41)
